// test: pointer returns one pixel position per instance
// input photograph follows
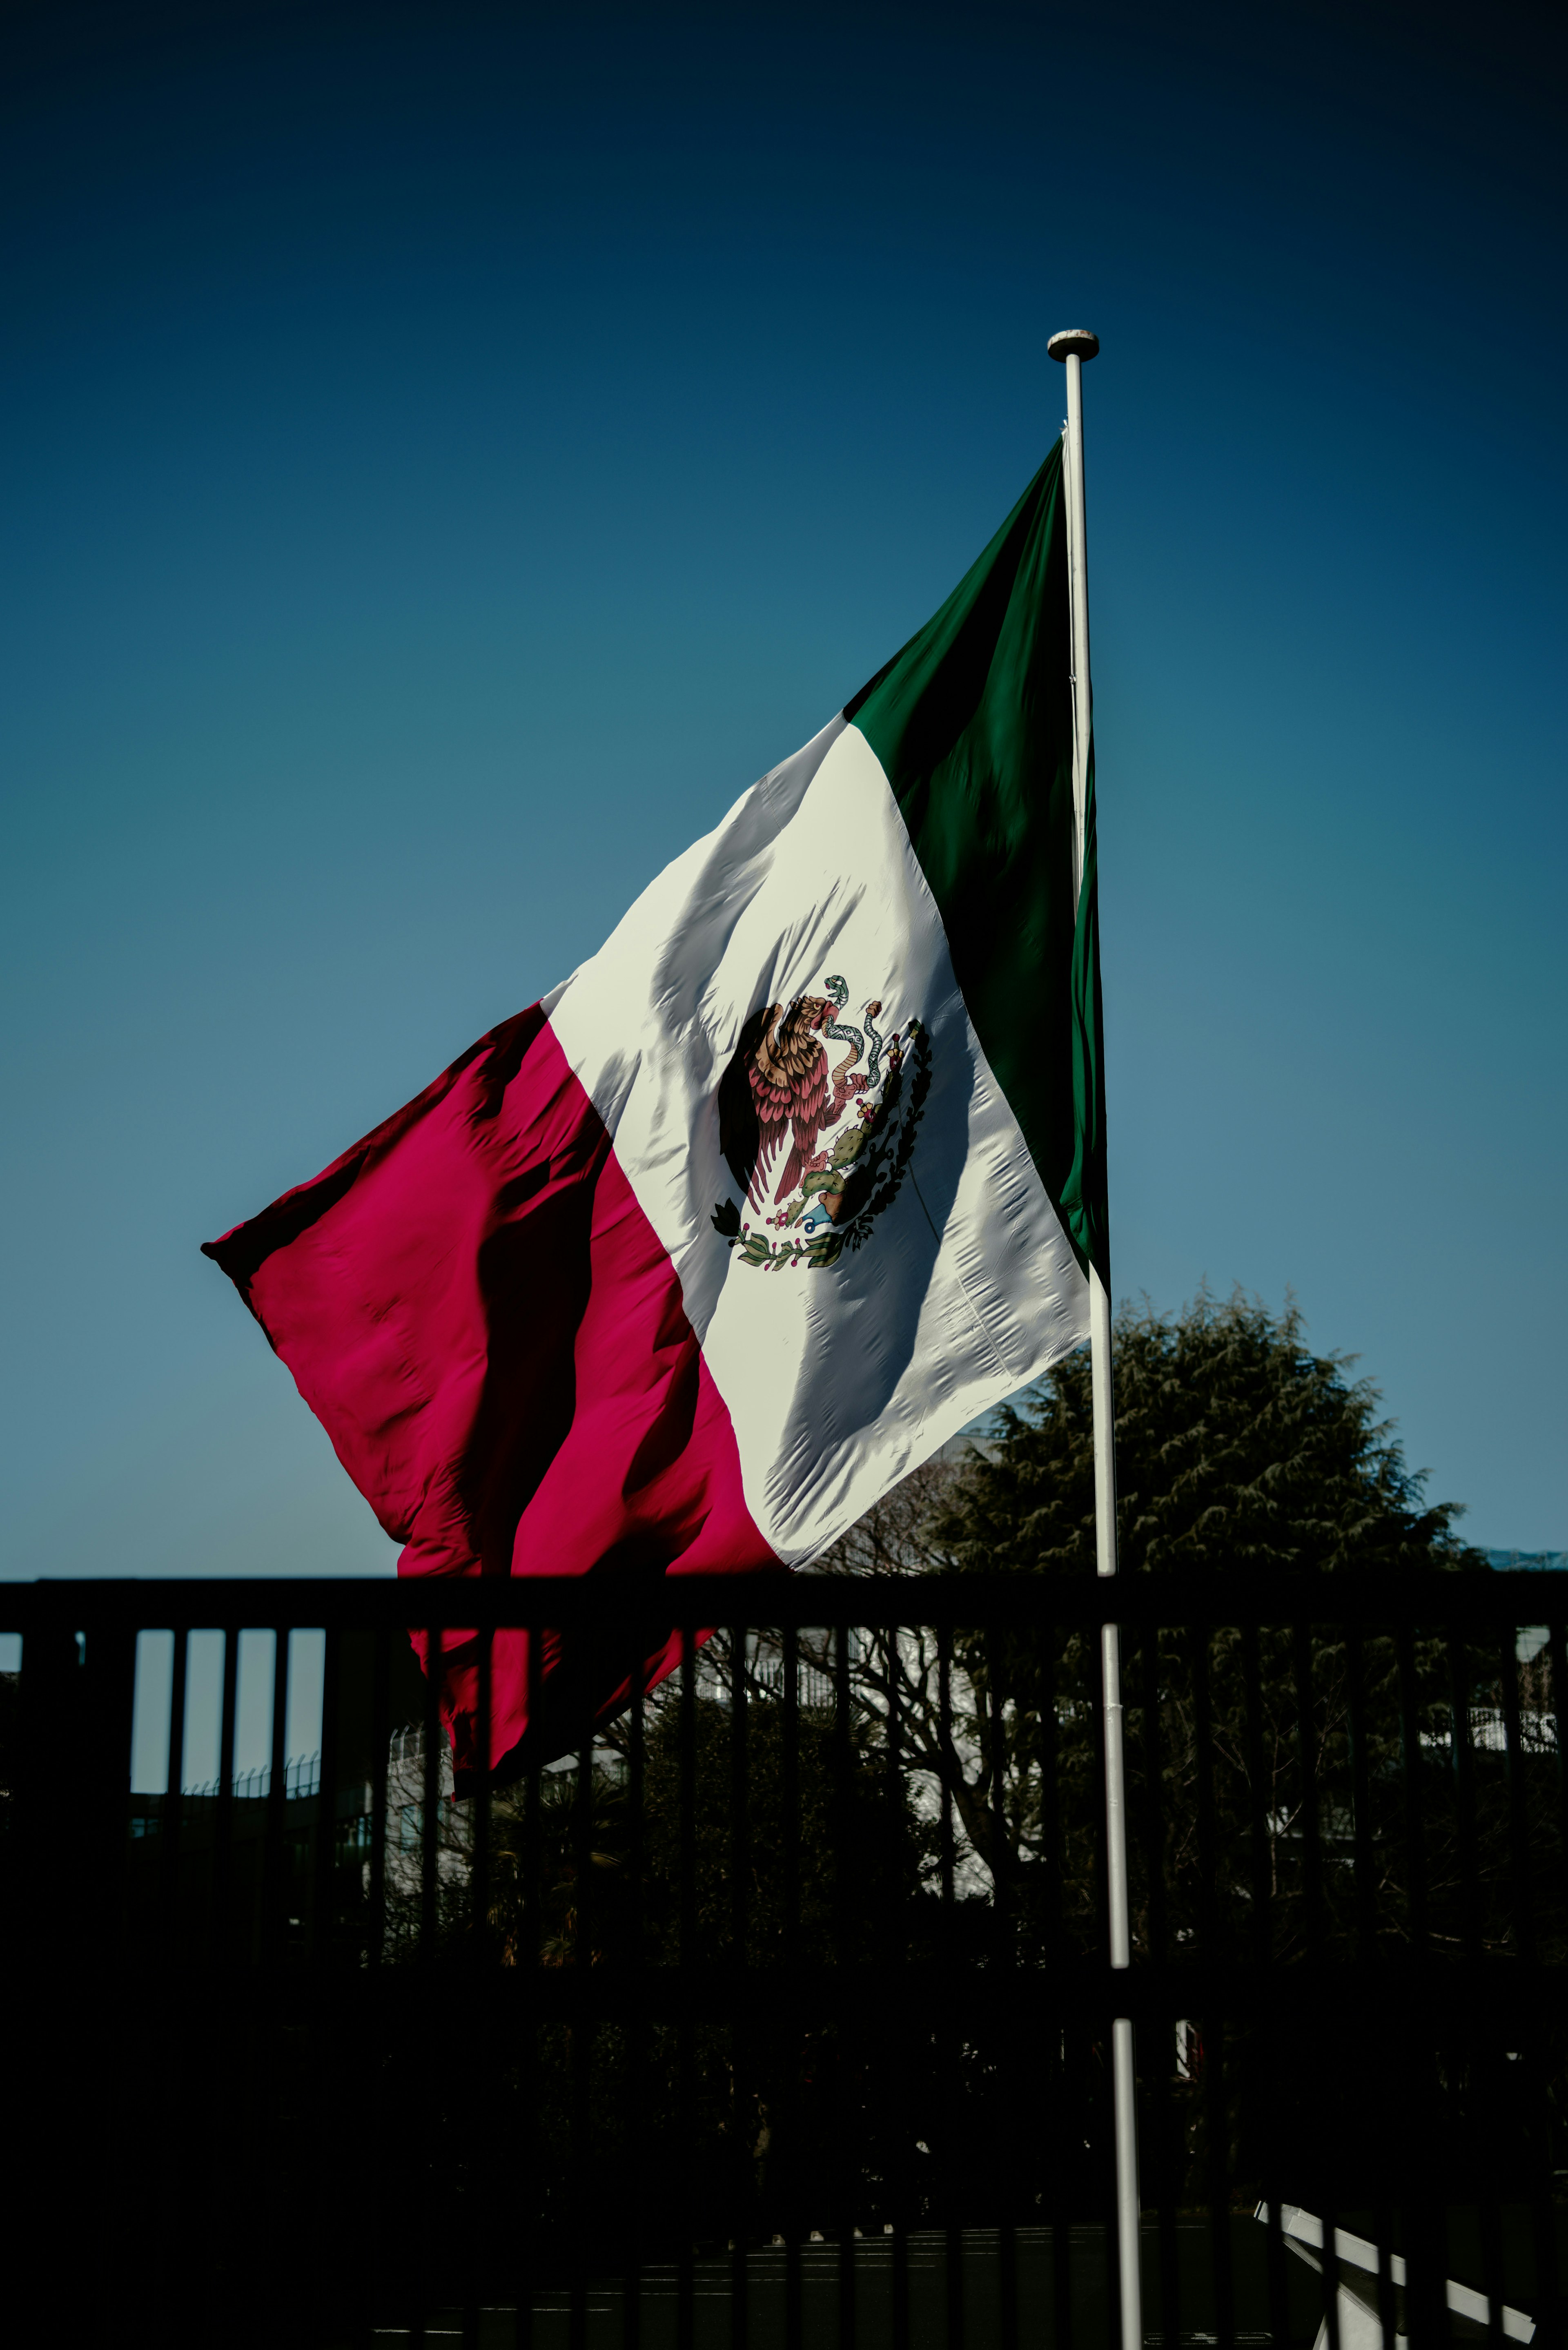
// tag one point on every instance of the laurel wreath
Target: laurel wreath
(871, 1187)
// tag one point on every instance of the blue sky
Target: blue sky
(446, 454)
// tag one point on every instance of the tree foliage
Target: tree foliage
(1236, 1447)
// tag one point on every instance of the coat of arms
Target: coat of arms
(817, 1146)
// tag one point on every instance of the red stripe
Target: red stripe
(486, 1323)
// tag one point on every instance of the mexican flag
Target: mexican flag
(684, 1266)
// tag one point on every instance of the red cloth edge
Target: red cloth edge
(476, 1308)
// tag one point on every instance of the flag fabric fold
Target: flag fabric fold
(682, 1268)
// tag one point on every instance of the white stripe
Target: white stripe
(841, 1379)
(1358, 2253)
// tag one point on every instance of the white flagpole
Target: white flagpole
(1072, 347)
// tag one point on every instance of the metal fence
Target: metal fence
(778, 2014)
(301, 1776)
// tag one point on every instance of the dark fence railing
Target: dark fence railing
(778, 2012)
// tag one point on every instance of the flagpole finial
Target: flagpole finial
(1073, 343)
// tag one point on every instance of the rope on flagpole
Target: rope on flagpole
(1072, 347)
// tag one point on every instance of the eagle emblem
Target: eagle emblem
(818, 1142)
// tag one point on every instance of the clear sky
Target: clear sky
(448, 451)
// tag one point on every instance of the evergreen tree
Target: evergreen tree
(1235, 1447)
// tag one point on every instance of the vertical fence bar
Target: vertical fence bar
(1464, 1788)
(582, 1853)
(740, 2046)
(1094, 1679)
(323, 2040)
(846, 1921)
(1206, 1912)
(948, 2037)
(1216, 2119)
(430, 1795)
(1007, 1840)
(1387, 2307)
(380, 1764)
(1555, 1649)
(481, 1803)
(531, 1956)
(1528, 2050)
(636, 2069)
(794, 2011)
(1548, 2280)
(108, 1697)
(996, 1765)
(172, 1818)
(1518, 1825)
(381, 2097)
(579, 2155)
(1382, 2231)
(1360, 1792)
(1155, 2161)
(1410, 1770)
(1059, 2087)
(1492, 2269)
(1548, 2303)
(1205, 1904)
(1331, 2277)
(1106, 1664)
(274, 1932)
(946, 2031)
(1153, 1805)
(221, 1922)
(533, 1951)
(324, 1901)
(585, 2039)
(1366, 1903)
(1274, 2260)
(1311, 1815)
(1004, 1949)
(945, 1744)
(685, 2283)
(1306, 1769)
(897, 2032)
(1262, 1807)
(1258, 1810)
(1425, 2220)
(1050, 1801)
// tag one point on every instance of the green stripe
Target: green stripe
(972, 722)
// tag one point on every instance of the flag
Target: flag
(683, 1267)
